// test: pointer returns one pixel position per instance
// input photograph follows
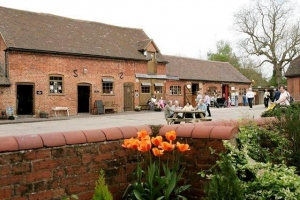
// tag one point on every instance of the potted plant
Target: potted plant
(137, 108)
(44, 114)
(157, 109)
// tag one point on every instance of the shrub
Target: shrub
(289, 125)
(101, 189)
(224, 183)
(268, 178)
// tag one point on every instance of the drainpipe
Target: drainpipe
(6, 64)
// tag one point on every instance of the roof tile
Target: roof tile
(196, 69)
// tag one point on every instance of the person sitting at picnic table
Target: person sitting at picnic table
(188, 107)
(177, 107)
(161, 103)
(169, 111)
(283, 98)
(152, 102)
(201, 106)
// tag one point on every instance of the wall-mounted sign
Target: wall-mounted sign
(39, 92)
(9, 111)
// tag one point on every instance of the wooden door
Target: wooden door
(128, 97)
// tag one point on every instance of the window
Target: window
(158, 87)
(175, 90)
(211, 91)
(153, 56)
(145, 87)
(107, 85)
(242, 91)
(55, 84)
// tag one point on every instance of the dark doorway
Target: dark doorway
(83, 99)
(24, 99)
(195, 89)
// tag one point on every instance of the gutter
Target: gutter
(71, 54)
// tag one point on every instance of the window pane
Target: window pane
(175, 90)
(55, 84)
(158, 89)
(107, 87)
(145, 89)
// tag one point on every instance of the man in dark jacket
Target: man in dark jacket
(276, 95)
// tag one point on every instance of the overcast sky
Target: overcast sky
(187, 28)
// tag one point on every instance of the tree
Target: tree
(246, 66)
(271, 32)
(224, 54)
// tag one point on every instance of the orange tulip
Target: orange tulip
(143, 133)
(171, 136)
(131, 143)
(126, 143)
(166, 146)
(157, 152)
(145, 138)
(134, 143)
(182, 147)
(144, 146)
(156, 140)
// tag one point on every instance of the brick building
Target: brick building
(48, 61)
(186, 76)
(293, 78)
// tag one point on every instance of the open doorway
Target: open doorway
(83, 99)
(24, 100)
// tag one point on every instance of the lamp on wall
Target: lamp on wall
(85, 70)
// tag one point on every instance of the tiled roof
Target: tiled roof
(50, 33)
(294, 68)
(195, 69)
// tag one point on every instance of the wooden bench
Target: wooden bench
(110, 105)
(61, 109)
(172, 120)
(145, 107)
(186, 120)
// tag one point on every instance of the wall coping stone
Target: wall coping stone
(219, 129)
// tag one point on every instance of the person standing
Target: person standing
(199, 96)
(250, 97)
(283, 98)
(266, 98)
(236, 99)
(276, 95)
(207, 102)
(244, 99)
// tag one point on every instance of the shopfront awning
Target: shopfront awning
(159, 84)
(107, 80)
(146, 84)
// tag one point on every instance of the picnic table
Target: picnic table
(184, 112)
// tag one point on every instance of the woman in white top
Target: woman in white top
(250, 97)
(283, 99)
(188, 107)
(266, 98)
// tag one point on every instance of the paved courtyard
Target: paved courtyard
(22, 126)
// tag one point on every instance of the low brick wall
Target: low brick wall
(52, 165)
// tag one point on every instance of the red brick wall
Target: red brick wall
(52, 165)
(204, 87)
(293, 86)
(35, 69)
